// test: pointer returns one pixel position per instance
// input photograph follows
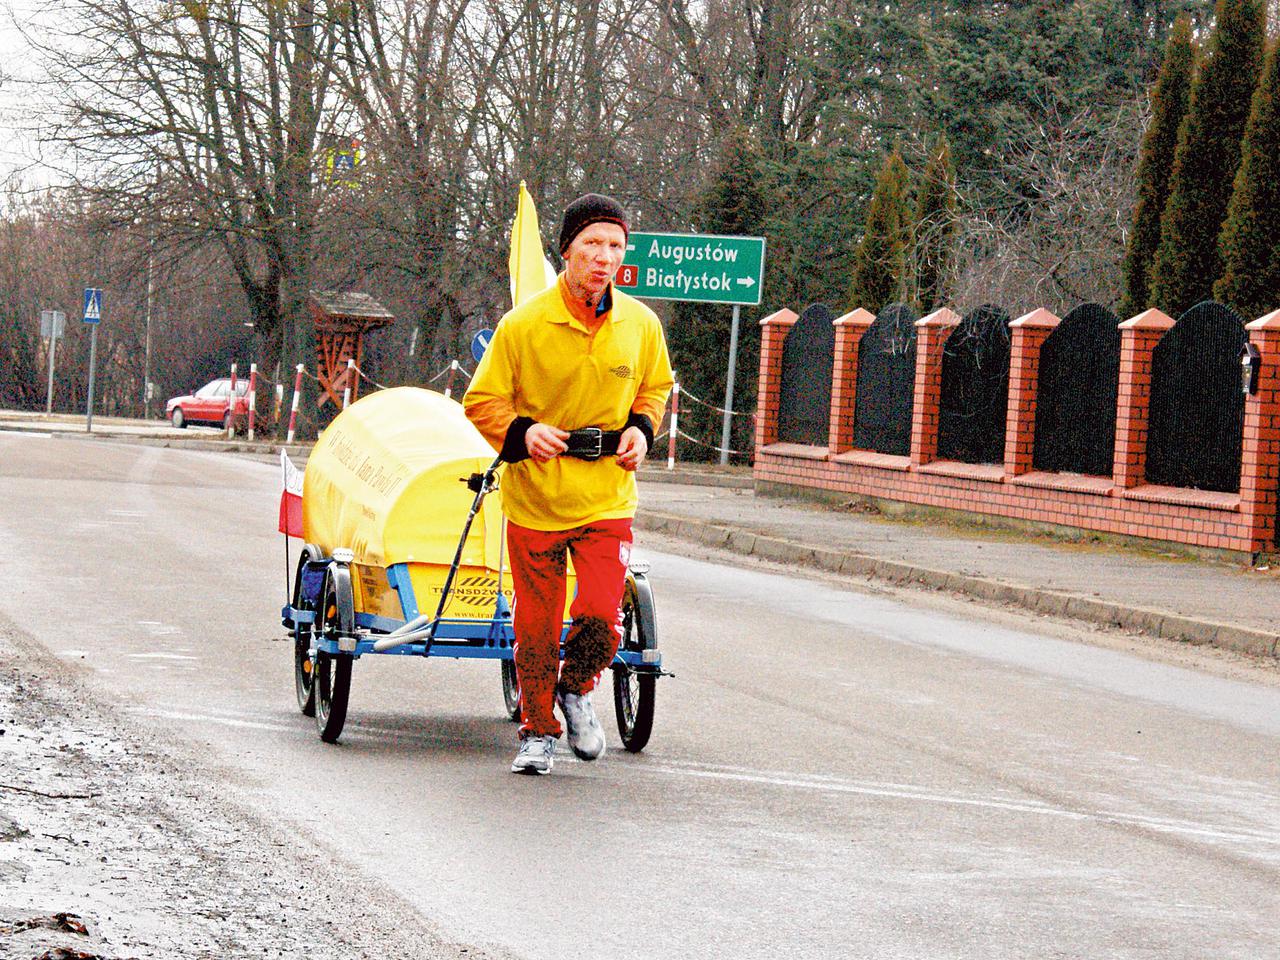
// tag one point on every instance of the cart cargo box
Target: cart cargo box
(387, 481)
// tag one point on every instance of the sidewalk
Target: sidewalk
(1143, 591)
(26, 421)
(155, 432)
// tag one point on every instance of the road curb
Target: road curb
(1156, 623)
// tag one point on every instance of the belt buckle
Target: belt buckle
(598, 435)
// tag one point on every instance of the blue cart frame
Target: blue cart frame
(329, 634)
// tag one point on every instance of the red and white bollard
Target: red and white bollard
(231, 405)
(675, 426)
(453, 369)
(346, 383)
(253, 395)
(293, 412)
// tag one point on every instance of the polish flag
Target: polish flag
(290, 498)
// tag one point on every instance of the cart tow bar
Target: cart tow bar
(422, 628)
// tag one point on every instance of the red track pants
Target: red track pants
(600, 551)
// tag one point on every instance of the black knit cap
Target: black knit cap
(588, 209)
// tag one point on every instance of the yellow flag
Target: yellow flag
(530, 272)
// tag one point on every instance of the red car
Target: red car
(210, 404)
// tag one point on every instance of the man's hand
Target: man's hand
(545, 442)
(632, 448)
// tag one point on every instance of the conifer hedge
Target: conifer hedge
(1208, 154)
(1250, 242)
(736, 201)
(935, 228)
(1169, 102)
(880, 262)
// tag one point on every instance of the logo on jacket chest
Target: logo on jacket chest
(623, 372)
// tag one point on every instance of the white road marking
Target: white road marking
(160, 656)
(818, 783)
(900, 792)
(366, 733)
(205, 718)
(158, 629)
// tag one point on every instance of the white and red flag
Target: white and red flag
(290, 498)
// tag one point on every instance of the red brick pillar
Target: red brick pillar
(1138, 337)
(931, 336)
(1029, 334)
(773, 333)
(1260, 455)
(850, 330)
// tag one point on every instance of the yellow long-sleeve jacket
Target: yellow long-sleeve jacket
(544, 365)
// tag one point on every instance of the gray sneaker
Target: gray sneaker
(586, 736)
(536, 755)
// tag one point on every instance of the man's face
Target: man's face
(594, 257)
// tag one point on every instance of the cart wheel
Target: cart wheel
(633, 693)
(303, 670)
(333, 671)
(510, 690)
(333, 687)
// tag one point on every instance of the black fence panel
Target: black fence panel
(975, 388)
(804, 404)
(1196, 423)
(1076, 399)
(886, 382)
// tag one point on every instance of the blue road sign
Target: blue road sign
(480, 343)
(92, 305)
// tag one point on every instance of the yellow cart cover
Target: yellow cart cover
(383, 481)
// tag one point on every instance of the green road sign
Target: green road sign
(693, 266)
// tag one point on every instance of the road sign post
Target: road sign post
(52, 326)
(699, 268)
(726, 428)
(93, 317)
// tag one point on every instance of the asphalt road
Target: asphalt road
(834, 772)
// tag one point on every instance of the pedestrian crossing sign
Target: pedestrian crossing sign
(92, 305)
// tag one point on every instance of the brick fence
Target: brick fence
(1121, 504)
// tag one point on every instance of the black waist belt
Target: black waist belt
(592, 443)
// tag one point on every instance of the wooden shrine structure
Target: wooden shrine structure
(342, 318)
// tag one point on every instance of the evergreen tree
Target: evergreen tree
(1250, 241)
(1208, 155)
(879, 264)
(995, 73)
(935, 228)
(1168, 107)
(737, 201)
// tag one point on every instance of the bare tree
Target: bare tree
(200, 119)
(1057, 233)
